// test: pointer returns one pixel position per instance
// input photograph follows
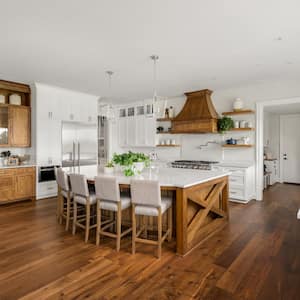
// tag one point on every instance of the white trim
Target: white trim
(260, 106)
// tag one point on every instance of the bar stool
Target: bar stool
(147, 201)
(109, 198)
(82, 196)
(64, 192)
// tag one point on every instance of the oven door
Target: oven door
(47, 173)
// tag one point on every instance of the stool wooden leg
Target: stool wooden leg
(170, 224)
(74, 217)
(159, 225)
(87, 222)
(145, 224)
(133, 228)
(98, 223)
(119, 223)
(68, 212)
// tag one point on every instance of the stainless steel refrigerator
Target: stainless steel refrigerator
(79, 144)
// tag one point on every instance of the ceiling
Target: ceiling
(212, 44)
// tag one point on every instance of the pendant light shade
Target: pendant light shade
(155, 104)
(107, 109)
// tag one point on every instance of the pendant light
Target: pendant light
(155, 105)
(107, 109)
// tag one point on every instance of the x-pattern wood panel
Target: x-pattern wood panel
(205, 208)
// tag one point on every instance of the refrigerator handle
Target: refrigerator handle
(78, 154)
(73, 154)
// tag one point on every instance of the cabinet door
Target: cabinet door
(131, 134)
(140, 131)
(123, 132)
(4, 125)
(25, 183)
(7, 185)
(48, 142)
(19, 126)
(150, 131)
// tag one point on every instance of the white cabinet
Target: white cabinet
(136, 126)
(150, 130)
(131, 131)
(53, 106)
(140, 125)
(241, 182)
(123, 132)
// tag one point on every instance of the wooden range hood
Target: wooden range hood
(198, 114)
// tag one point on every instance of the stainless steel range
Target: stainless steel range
(193, 164)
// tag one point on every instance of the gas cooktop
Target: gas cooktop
(193, 164)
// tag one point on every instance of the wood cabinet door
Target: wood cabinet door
(25, 183)
(19, 126)
(7, 185)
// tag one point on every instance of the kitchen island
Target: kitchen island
(200, 199)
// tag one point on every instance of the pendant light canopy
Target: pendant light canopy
(107, 109)
(156, 110)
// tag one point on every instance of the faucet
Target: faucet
(207, 143)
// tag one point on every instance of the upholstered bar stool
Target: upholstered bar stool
(109, 198)
(147, 201)
(64, 193)
(82, 197)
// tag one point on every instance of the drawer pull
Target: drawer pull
(50, 188)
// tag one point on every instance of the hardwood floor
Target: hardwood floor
(257, 256)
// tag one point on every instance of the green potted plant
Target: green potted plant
(109, 168)
(131, 162)
(225, 124)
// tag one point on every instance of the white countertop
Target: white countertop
(171, 177)
(25, 165)
(236, 164)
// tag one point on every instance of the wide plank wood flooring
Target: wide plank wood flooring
(257, 256)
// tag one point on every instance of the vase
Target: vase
(108, 170)
(238, 104)
(138, 167)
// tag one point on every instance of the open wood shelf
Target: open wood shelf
(238, 112)
(168, 145)
(236, 146)
(164, 119)
(241, 129)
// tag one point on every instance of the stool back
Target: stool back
(145, 192)
(79, 185)
(62, 179)
(107, 188)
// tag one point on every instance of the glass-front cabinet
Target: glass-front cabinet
(3, 125)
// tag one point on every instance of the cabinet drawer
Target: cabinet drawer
(235, 171)
(236, 180)
(236, 193)
(26, 170)
(47, 189)
(7, 172)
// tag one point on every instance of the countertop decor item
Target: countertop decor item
(132, 162)
(109, 168)
(225, 124)
(231, 141)
(15, 99)
(238, 104)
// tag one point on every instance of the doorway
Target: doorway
(290, 148)
(281, 107)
